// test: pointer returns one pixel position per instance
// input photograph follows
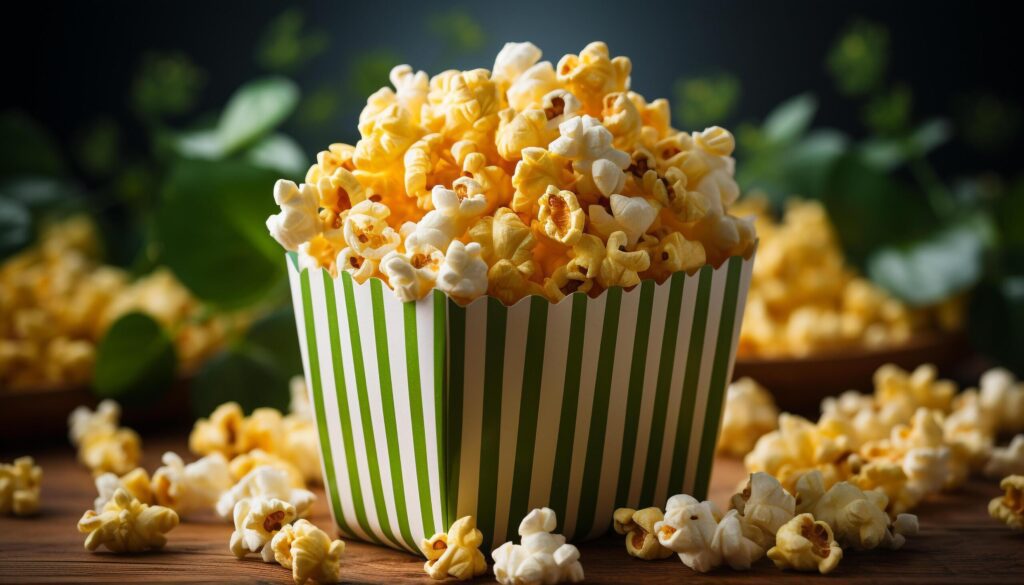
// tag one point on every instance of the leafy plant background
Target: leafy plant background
(877, 110)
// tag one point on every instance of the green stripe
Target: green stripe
(440, 418)
(456, 386)
(364, 411)
(380, 334)
(318, 404)
(666, 363)
(567, 420)
(529, 406)
(636, 391)
(490, 433)
(716, 392)
(599, 414)
(693, 365)
(419, 438)
(344, 415)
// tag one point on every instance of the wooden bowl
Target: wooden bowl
(799, 384)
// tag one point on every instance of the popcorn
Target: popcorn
(410, 89)
(530, 88)
(464, 105)
(360, 268)
(220, 433)
(805, 544)
(630, 215)
(337, 156)
(116, 450)
(265, 482)
(299, 219)
(367, 233)
(20, 485)
(301, 447)
(299, 406)
(454, 210)
(855, 516)
(1009, 508)
(308, 552)
(136, 482)
(764, 506)
(127, 525)
(513, 60)
(734, 541)
(455, 553)
(413, 276)
(426, 164)
(638, 527)
(83, 422)
(750, 412)
(591, 75)
(673, 253)
(187, 488)
(588, 144)
(1007, 460)
(463, 275)
(622, 119)
(505, 237)
(542, 558)
(518, 131)
(257, 521)
(561, 216)
(1003, 396)
(619, 267)
(689, 529)
(538, 170)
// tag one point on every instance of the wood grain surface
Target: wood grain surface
(958, 543)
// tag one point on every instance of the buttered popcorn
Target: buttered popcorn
(529, 179)
(103, 446)
(1009, 508)
(126, 525)
(20, 484)
(309, 552)
(750, 413)
(455, 553)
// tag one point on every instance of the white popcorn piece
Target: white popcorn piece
(1003, 396)
(463, 275)
(82, 421)
(858, 522)
(127, 525)
(736, 542)
(896, 534)
(805, 544)
(411, 89)
(298, 220)
(188, 488)
(367, 232)
(266, 482)
(764, 506)
(630, 215)
(135, 482)
(1007, 460)
(688, 530)
(588, 144)
(350, 261)
(560, 105)
(810, 487)
(543, 558)
(413, 275)
(309, 552)
(529, 89)
(513, 60)
(454, 210)
(257, 521)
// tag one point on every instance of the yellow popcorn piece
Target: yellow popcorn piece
(367, 232)
(257, 521)
(494, 182)
(564, 282)
(269, 483)
(463, 275)
(299, 220)
(1009, 508)
(621, 267)
(219, 433)
(464, 105)
(805, 544)
(512, 61)
(750, 412)
(889, 479)
(337, 156)
(308, 552)
(360, 268)
(920, 388)
(410, 89)
(655, 116)
(638, 528)
(127, 525)
(453, 211)
(302, 446)
(505, 237)
(543, 557)
(620, 116)
(797, 447)
(412, 276)
(20, 484)
(509, 284)
(1007, 460)
(242, 464)
(538, 169)
(386, 135)
(517, 131)
(715, 141)
(339, 192)
(117, 450)
(1002, 395)
(456, 553)
(428, 164)
(559, 105)
(530, 88)
(561, 216)
(858, 522)
(136, 482)
(187, 488)
(764, 506)
(591, 75)
(588, 144)
(630, 215)
(674, 253)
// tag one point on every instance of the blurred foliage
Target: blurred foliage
(458, 31)
(888, 112)
(135, 361)
(167, 85)
(96, 147)
(987, 122)
(368, 72)
(703, 101)
(858, 60)
(286, 45)
(319, 107)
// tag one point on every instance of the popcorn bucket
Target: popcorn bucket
(428, 411)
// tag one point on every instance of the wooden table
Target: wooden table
(958, 543)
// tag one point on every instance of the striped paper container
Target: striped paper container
(428, 411)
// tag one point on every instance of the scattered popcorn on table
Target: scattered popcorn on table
(102, 445)
(299, 406)
(309, 552)
(1009, 507)
(1002, 395)
(688, 530)
(764, 506)
(189, 488)
(542, 558)
(257, 521)
(806, 544)
(750, 412)
(638, 528)
(136, 482)
(858, 518)
(1007, 460)
(127, 525)
(20, 484)
(455, 553)
(486, 182)
(265, 482)
(242, 464)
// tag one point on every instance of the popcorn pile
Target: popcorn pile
(749, 413)
(804, 298)
(103, 445)
(20, 484)
(57, 300)
(527, 179)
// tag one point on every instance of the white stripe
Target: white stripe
(556, 351)
(431, 418)
(643, 429)
(616, 419)
(395, 325)
(700, 405)
(472, 408)
(588, 375)
(516, 329)
(682, 362)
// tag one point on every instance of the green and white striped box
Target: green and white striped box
(428, 411)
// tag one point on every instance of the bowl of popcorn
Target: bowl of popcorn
(521, 287)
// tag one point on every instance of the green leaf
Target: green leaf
(931, 135)
(211, 227)
(458, 30)
(888, 112)
(276, 335)
(15, 226)
(97, 147)
(26, 148)
(931, 270)
(859, 58)
(286, 46)
(246, 375)
(884, 154)
(790, 119)
(135, 362)
(202, 144)
(279, 153)
(702, 101)
(39, 194)
(254, 110)
(167, 84)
